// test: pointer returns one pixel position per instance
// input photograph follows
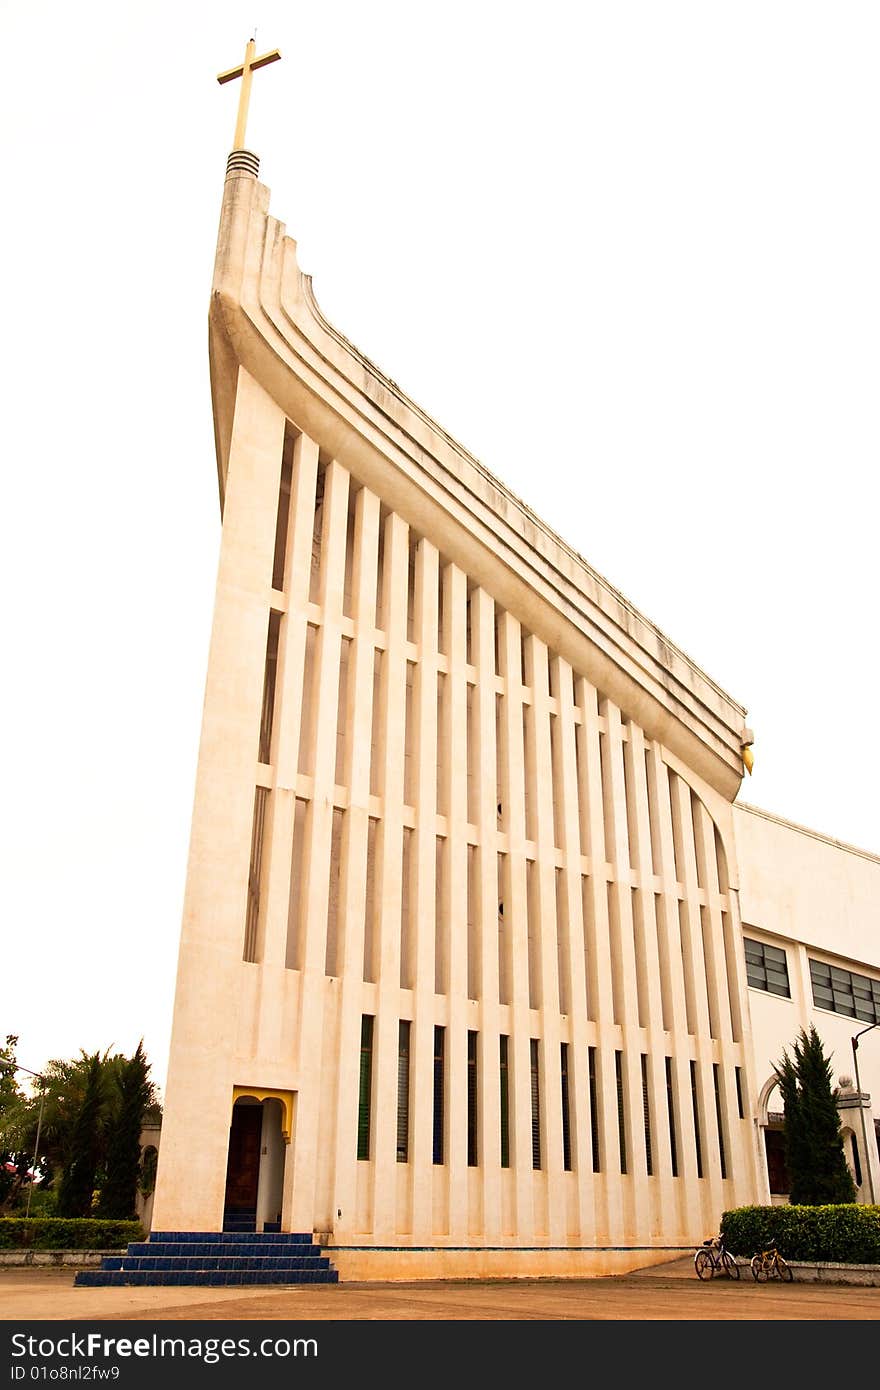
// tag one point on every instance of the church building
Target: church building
(462, 985)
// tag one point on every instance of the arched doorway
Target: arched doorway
(259, 1132)
(771, 1129)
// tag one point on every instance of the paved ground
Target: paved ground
(668, 1292)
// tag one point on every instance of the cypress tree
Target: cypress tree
(134, 1093)
(814, 1150)
(78, 1178)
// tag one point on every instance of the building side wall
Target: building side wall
(409, 807)
(815, 899)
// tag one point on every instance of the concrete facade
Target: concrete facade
(463, 904)
(815, 900)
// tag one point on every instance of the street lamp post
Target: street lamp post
(868, 1155)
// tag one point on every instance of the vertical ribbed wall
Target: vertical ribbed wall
(478, 840)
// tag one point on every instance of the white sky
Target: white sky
(626, 253)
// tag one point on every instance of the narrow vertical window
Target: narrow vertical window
(365, 1086)
(317, 534)
(377, 748)
(857, 1162)
(306, 753)
(720, 1118)
(696, 1105)
(294, 944)
(269, 674)
(670, 1111)
(473, 915)
(283, 517)
(472, 1099)
(594, 1111)
(403, 1090)
(737, 1072)
(528, 736)
(334, 890)
(566, 1112)
(504, 1080)
(621, 1114)
(473, 714)
(407, 949)
(252, 913)
(536, 1103)
(646, 1110)
(442, 759)
(371, 905)
(439, 1086)
(503, 938)
(342, 721)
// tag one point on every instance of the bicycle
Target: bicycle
(769, 1264)
(711, 1258)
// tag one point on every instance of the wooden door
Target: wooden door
(243, 1167)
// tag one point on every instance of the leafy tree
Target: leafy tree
(54, 1107)
(81, 1169)
(134, 1095)
(814, 1152)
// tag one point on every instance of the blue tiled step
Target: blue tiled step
(103, 1278)
(254, 1246)
(215, 1257)
(216, 1262)
(178, 1237)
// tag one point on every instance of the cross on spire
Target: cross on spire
(245, 71)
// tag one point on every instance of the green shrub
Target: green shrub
(847, 1234)
(44, 1203)
(55, 1233)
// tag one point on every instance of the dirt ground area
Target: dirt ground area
(664, 1293)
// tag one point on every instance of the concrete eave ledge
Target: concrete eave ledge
(264, 317)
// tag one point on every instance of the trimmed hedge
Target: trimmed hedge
(56, 1233)
(846, 1234)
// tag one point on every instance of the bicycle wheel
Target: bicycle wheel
(731, 1268)
(704, 1264)
(759, 1273)
(783, 1270)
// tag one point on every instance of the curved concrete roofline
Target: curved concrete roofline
(264, 318)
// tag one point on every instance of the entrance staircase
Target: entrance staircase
(213, 1258)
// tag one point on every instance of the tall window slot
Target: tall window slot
(536, 1103)
(670, 1111)
(293, 956)
(472, 1099)
(439, 1087)
(646, 1110)
(334, 889)
(252, 912)
(621, 1109)
(269, 674)
(594, 1111)
(504, 1088)
(696, 1105)
(365, 1086)
(342, 720)
(306, 753)
(403, 1090)
(283, 518)
(566, 1113)
(740, 1108)
(720, 1118)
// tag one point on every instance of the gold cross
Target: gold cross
(244, 71)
